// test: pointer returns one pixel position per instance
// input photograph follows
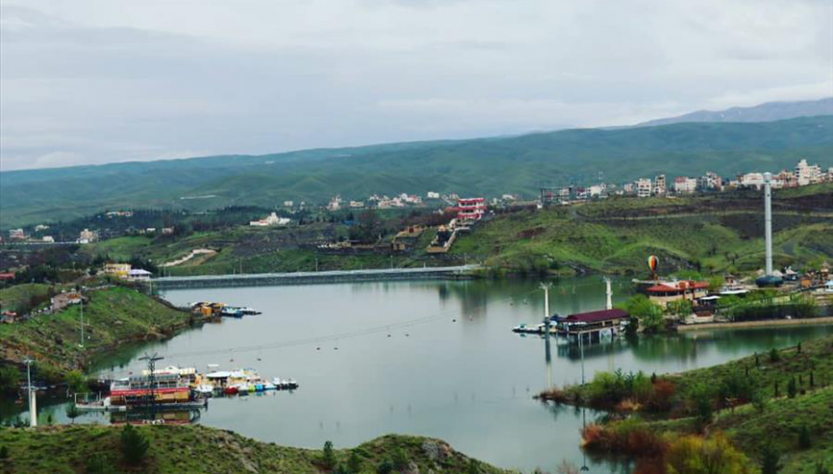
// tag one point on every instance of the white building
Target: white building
(356, 204)
(807, 174)
(335, 204)
(684, 185)
(41, 227)
(751, 180)
(17, 234)
(432, 195)
(643, 187)
(271, 220)
(86, 236)
(48, 239)
(288, 203)
(659, 185)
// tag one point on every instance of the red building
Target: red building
(471, 209)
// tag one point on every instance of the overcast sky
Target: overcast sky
(96, 81)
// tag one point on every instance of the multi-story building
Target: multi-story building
(628, 188)
(643, 187)
(684, 185)
(807, 174)
(17, 234)
(335, 204)
(471, 209)
(710, 182)
(87, 236)
(432, 195)
(751, 180)
(659, 185)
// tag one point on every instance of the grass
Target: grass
(710, 233)
(198, 449)
(112, 316)
(18, 296)
(746, 426)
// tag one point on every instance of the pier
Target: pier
(305, 278)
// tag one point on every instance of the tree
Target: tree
(701, 402)
(4, 452)
(400, 460)
(474, 467)
(134, 445)
(385, 467)
(770, 459)
(695, 455)
(9, 379)
(822, 469)
(73, 412)
(804, 440)
(76, 381)
(329, 456)
(774, 355)
(647, 312)
(791, 388)
(99, 463)
(354, 464)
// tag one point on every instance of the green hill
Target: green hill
(198, 449)
(491, 167)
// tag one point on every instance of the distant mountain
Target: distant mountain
(488, 167)
(768, 112)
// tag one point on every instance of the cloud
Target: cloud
(94, 81)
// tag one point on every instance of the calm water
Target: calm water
(427, 358)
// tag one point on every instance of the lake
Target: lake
(434, 358)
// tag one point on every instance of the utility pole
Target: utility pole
(609, 304)
(82, 319)
(33, 404)
(151, 360)
(547, 352)
(768, 220)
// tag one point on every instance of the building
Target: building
(87, 236)
(807, 174)
(432, 195)
(48, 239)
(62, 300)
(120, 270)
(271, 220)
(594, 326)
(659, 185)
(784, 179)
(643, 187)
(751, 180)
(41, 227)
(335, 204)
(17, 234)
(167, 231)
(669, 291)
(356, 204)
(471, 209)
(137, 274)
(710, 182)
(684, 185)
(288, 203)
(628, 188)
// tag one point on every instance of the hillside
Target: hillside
(112, 316)
(490, 167)
(198, 449)
(767, 112)
(710, 233)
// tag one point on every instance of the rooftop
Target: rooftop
(596, 316)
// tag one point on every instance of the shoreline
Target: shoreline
(758, 324)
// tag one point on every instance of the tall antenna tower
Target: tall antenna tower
(151, 360)
(768, 220)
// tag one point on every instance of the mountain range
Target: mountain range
(767, 112)
(487, 166)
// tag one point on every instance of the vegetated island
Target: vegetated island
(748, 415)
(198, 449)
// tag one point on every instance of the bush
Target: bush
(774, 355)
(328, 455)
(629, 436)
(9, 379)
(99, 464)
(694, 455)
(134, 445)
(4, 452)
(804, 441)
(73, 412)
(701, 404)
(400, 460)
(354, 464)
(608, 389)
(661, 396)
(770, 460)
(791, 388)
(76, 381)
(385, 467)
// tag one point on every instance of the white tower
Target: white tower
(609, 304)
(768, 220)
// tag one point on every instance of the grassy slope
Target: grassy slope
(112, 316)
(617, 235)
(198, 449)
(13, 297)
(486, 167)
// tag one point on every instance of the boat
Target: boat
(230, 390)
(205, 390)
(269, 386)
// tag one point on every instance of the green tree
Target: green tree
(99, 463)
(821, 468)
(384, 467)
(4, 452)
(774, 355)
(76, 381)
(770, 459)
(354, 464)
(134, 445)
(701, 403)
(73, 412)
(329, 455)
(791, 388)
(9, 379)
(474, 467)
(804, 440)
(696, 455)
(647, 312)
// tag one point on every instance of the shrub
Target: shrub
(629, 436)
(73, 412)
(694, 455)
(76, 381)
(701, 404)
(354, 464)
(134, 445)
(661, 395)
(4, 452)
(770, 459)
(9, 378)
(385, 467)
(791, 388)
(99, 464)
(400, 460)
(328, 455)
(822, 469)
(474, 467)
(804, 440)
(774, 355)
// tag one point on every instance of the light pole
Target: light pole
(82, 319)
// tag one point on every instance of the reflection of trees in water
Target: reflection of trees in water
(652, 348)
(572, 351)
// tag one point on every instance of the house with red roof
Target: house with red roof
(668, 291)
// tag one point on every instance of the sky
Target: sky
(99, 81)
